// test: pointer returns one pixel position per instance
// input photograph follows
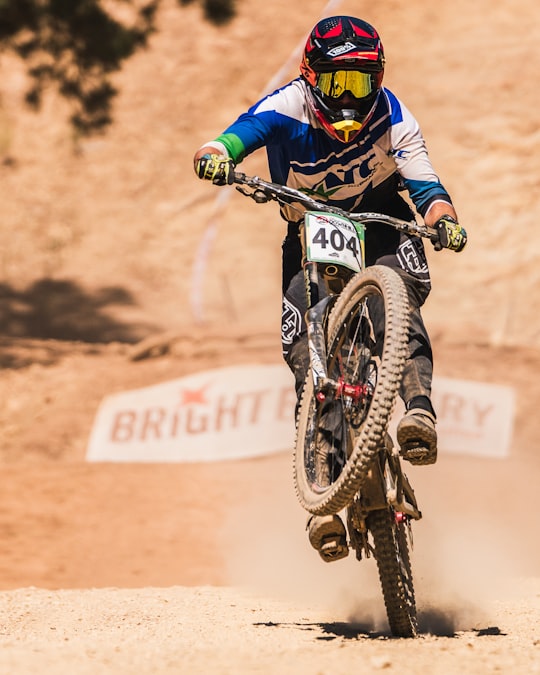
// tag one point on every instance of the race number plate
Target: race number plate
(334, 239)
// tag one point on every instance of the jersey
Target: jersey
(365, 174)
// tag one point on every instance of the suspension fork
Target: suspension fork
(317, 304)
(317, 309)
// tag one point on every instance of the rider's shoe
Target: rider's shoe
(328, 536)
(417, 437)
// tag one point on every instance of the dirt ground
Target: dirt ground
(120, 270)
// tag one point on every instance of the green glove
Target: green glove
(449, 234)
(218, 169)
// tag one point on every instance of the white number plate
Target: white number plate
(333, 239)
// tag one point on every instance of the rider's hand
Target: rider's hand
(217, 168)
(449, 234)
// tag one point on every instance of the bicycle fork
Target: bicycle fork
(386, 486)
(318, 308)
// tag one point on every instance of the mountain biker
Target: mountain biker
(336, 133)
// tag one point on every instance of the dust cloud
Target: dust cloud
(475, 536)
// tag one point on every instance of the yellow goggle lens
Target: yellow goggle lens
(337, 83)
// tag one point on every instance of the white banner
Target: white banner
(247, 411)
(229, 413)
(474, 418)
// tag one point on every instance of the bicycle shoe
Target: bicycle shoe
(417, 437)
(328, 536)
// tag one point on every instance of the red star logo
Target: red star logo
(190, 396)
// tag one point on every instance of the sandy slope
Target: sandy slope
(103, 247)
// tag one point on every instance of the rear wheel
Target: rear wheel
(338, 437)
(390, 542)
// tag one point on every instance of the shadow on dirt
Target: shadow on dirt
(358, 630)
(62, 310)
(217, 11)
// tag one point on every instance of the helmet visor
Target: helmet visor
(339, 82)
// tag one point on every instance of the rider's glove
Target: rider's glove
(449, 234)
(218, 169)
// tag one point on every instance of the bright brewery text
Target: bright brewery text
(199, 416)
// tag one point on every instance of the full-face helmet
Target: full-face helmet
(343, 65)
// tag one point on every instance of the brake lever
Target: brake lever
(257, 195)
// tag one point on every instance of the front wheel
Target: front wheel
(338, 436)
(390, 543)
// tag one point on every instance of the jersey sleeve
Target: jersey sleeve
(412, 159)
(253, 129)
(247, 134)
(274, 120)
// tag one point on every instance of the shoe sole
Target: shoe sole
(329, 538)
(418, 443)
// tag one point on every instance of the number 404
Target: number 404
(337, 241)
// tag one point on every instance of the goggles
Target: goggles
(337, 83)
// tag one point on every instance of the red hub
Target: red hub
(356, 392)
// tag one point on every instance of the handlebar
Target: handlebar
(263, 191)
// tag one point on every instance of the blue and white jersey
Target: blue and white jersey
(388, 153)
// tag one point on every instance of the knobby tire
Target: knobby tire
(393, 562)
(375, 284)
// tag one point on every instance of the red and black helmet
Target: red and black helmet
(343, 65)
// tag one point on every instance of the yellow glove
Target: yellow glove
(450, 235)
(218, 169)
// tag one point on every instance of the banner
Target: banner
(228, 413)
(474, 418)
(248, 411)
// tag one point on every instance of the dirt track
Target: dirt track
(161, 554)
(221, 630)
(207, 568)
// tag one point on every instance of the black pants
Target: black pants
(384, 246)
